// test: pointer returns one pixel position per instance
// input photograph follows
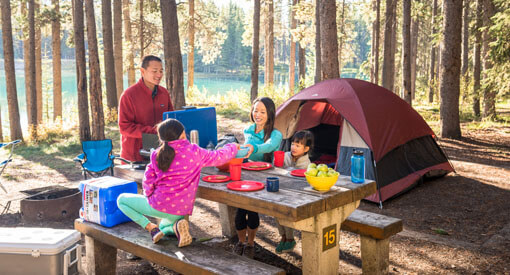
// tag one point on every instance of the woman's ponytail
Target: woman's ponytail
(165, 156)
(168, 130)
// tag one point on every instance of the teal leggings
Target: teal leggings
(136, 207)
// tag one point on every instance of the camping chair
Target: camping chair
(4, 163)
(97, 158)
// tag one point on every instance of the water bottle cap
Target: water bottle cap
(358, 152)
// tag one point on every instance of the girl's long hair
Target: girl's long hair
(168, 130)
(269, 126)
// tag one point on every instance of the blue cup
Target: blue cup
(272, 184)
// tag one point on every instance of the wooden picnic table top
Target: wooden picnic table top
(295, 201)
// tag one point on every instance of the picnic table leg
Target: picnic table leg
(320, 238)
(101, 258)
(227, 217)
(375, 255)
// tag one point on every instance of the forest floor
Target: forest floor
(459, 223)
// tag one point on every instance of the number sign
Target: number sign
(329, 237)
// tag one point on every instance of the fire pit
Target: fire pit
(52, 203)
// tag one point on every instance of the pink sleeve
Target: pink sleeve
(149, 178)
(218, 157)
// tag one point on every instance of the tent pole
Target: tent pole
(376, 179)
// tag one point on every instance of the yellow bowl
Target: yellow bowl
(321, 183)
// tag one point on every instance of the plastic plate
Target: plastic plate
(245, 185)
(256, 165)
(216, 178)
(298, 172)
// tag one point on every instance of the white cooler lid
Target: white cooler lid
(48, 241)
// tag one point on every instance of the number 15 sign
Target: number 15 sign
(329, 237)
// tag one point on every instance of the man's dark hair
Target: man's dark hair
(148, 58)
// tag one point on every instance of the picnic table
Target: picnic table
(318, 215)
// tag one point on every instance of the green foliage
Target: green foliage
(499, 74)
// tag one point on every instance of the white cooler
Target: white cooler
(31, 250)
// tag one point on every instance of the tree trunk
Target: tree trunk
(450, 69)
(26, 59)
(329, 40)
(269, 44)
(57, 64)
(191, 43)
(375, 46)
(255, 51)
(432, 75)
(465, 40)
(489, 92)
(129, 39)
(415, 28)
(172, 49)
(38, 62)
(406, 49)
(341, 44)
(32, 106)
(140, 31)
(476, 59)
(81, 74)
(109, 61)
(318, 73)
(388, 69)
(10, 73)
(117, 47)
(292, 62)
(96, 98)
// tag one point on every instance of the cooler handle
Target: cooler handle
(67, 257)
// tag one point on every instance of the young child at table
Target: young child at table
(300, 148)
(262, 140)
(170, 183)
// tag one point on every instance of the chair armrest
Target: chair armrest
(79, 158)
(124, 160)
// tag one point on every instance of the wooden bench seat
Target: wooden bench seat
(375, 231)
(198, 258)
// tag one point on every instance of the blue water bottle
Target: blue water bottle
(357, 167)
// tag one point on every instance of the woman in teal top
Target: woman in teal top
(262, 140)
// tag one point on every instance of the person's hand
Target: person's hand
(237, 145)
(250, 150)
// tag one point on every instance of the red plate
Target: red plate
(256, 165)
(216, 178)
(298, 172)
(245, 185)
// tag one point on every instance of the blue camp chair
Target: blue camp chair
(4, 163)
(97, 158)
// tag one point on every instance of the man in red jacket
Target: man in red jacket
(141, 107)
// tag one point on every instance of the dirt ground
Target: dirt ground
(458, 224)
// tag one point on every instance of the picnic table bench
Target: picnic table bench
(198, 258)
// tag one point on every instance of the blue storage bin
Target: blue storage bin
(201, 119)
(99, 200)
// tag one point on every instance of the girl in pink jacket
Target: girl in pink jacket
(170, 183)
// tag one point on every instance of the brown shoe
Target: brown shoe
(249, 251)
(238, 248)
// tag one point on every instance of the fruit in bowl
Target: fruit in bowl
(321, 180)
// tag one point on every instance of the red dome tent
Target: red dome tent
(346, 114)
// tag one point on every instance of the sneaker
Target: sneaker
(238, 248)
(156, 235)
(181, 230)
(249, 251)
(288, 246)
(279, 247)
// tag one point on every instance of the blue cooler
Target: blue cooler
(202, 119)
(99, 200)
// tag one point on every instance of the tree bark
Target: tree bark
(476, 59)
(318, 74)
(329, 40)
(415, 28)
(191, 43)
(109, 60)
(388, 69)
(255, 51)
(375, 46)
(172, 49)
(341, 44)
(96, 98)
(292, 62)
(81, 74)
(26, 59)
(406, 49)
(10, 73)
(32, 104)
(57, 64)
(450, 69)
(129, 39)
(140, 31)
(117, 47)
(38, 61)
(269, 44)
(465, 40)
(432, 75)
(489, 92)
